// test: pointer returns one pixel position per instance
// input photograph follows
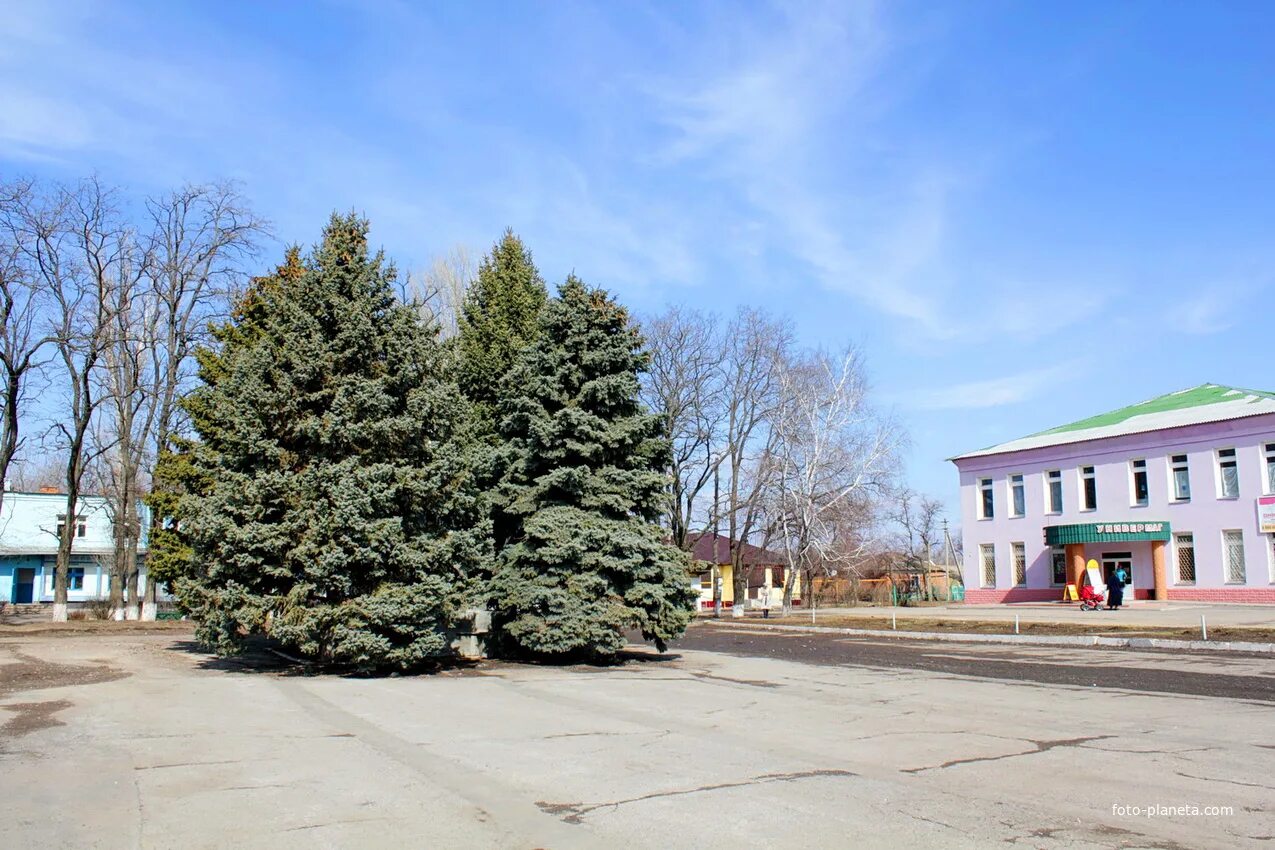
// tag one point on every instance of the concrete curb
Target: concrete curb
(1037, 640)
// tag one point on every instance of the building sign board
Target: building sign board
(1266, 514)
(1105, 532)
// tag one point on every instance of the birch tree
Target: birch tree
(833, 454)
(439, 291)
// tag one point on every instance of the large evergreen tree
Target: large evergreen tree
(581, 558)
(500, 316)
(329, 501)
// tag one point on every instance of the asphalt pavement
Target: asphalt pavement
(1198, 673)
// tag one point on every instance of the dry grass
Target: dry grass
(1101, 625)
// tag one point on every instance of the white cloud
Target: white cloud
(1211, 311)
(763, 129)
(992, 392)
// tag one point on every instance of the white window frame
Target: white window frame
(984, 549)
(1017, 550)
(1093, 473)
(81, 526)
(1177, 564)
(985, 486)
(1173, 478)
(1133, 482)
(1234, 460)
(1268, 469)
(1053, 476)
(1022, 482)
(1226, 558)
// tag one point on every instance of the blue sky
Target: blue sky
(1024, 213)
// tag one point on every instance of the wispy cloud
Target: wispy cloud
(763, 128)
(1209, 312)
(993, 392)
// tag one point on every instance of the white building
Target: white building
(1179, 491)
(29, 528)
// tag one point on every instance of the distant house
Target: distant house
(766, 572)
(29, 528)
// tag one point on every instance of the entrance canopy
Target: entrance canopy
(1106, 532)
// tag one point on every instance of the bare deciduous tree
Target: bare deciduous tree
(22, 337)
(833, 454)
(201, 237)
(757, 351)
(80, 251)
(683, 383)
(439, 291)
(917, 517)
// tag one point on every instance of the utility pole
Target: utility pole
(949, 556)
(717, 524)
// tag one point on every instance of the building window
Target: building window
(987, 552)
(1053, 489)
(81, 525)
(75, 578)
(1233, 553)
(1181, 479)
(1270, 469)
(1058, 562)
(1020, 564)
(987, 499)
(1017, 496)
(1141, 496)
(1185, 545)
(1088, 489)
(1228, 475)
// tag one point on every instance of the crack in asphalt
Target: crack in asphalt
(574, 813)
(756, 683)
(1040, 747)
(1227, 781)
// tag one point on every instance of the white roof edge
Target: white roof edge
(1144, 424)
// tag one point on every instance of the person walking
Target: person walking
(1115, 589)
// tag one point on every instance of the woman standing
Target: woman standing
(1115, 589)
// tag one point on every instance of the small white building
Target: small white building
(29, 527)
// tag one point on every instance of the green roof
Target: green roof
(1205, 403)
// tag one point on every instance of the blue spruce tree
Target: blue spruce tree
(581, 560)
(329, 500)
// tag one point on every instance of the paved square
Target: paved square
(142, 741)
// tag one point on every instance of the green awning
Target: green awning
(1105, 532)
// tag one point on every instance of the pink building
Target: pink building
(1179, 490)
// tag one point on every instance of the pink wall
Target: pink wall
(1205, 515)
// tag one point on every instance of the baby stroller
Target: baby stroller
(1090, 599)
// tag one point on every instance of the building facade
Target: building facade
(29, 527)
(1178, 490)
(766, 574)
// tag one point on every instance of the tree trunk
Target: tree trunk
(117, 589)
(150, 605)
(9, 439)
(62, 570)
(134, 609)
(717, 588)
(739, 582)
